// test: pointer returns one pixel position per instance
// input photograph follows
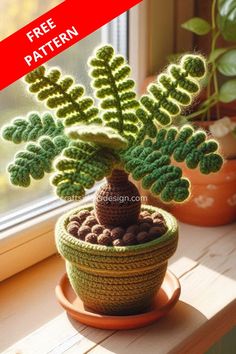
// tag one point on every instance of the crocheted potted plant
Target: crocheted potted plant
(116, 252)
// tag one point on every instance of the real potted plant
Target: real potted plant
(116, 256)
(213, 201)
(213, 198)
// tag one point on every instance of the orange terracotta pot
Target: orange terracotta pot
(213, 197)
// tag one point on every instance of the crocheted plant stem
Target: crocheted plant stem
(114, 89)
(151, 161)
(63, 95)
(32, 128)
(117, 202)
(174, 89)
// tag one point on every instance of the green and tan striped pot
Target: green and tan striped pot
(116, 280)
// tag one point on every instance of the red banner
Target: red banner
(53, 32)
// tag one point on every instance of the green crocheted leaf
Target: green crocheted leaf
(62, 94)
(35, 160)
(32, 128)
(173, 90)
(81, 165)
(189, 146)
(151, 162)
(156, 173)
(103, 136)
(115, 90)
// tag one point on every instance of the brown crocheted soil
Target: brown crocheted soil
(85, 227)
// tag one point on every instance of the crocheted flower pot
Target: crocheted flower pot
(116, 280)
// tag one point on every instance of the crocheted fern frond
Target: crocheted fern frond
(61, 94)
(115, 91)
(35, 160)
(81, 165)
(103, 136)
(151, 161)
(32, 128)
(174, 89)
(191, 147)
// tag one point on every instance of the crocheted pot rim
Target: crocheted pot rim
(170, 235)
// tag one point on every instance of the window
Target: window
(17, 202)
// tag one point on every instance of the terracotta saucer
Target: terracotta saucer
(165, 299)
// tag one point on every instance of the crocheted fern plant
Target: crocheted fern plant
(81, 143)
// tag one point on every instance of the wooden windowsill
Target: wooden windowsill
(32, 322)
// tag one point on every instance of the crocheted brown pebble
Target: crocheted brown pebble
(155, 232)
(134, 229)
(83, 214)
(129, 239)
(148, 219)
(107, 232)
(159, 222)
(117, 232)
(143, 237)
(144, 214)
(118, 242)
(157, 215)
(144, 226)
(83, 231)
(149, 227)
(97, 229)
(75, 218)
(90, 221)
(104, 240)
(73, 228)
(91, 238)
(73, 223)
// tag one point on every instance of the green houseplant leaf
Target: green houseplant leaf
(227, 19)
(216, 53)
(228, 91)
(197, 25)
(227, 63)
